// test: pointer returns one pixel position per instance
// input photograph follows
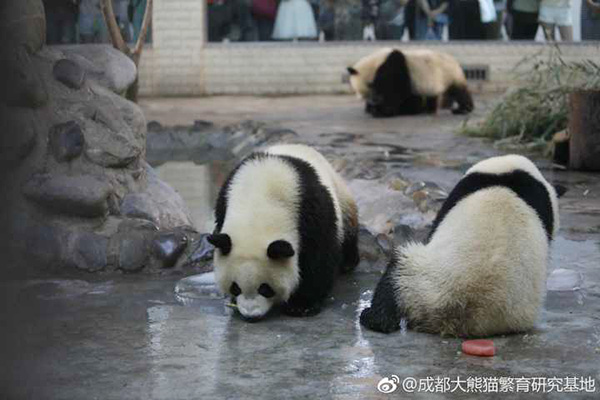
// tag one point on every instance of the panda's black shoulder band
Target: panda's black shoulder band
(530, 190)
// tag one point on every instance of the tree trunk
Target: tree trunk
(584, 128)
(132, 91)
(117, 40)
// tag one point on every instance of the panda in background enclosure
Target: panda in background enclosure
(404, 82)
(286, 224)
(482, 271)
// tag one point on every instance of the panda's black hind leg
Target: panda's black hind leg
(384, 315)
(301, 306)
(462, 96)
(431, 104)
(350, 252)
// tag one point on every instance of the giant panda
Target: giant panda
(286, 223)
(400, 82)
(482, 270)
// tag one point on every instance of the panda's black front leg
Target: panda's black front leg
(302, 306)
(315, 285)
(384, 315)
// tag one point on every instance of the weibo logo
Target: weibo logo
(388, 385)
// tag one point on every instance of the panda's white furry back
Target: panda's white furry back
(482, 270)
(285, 223)
(410, 81)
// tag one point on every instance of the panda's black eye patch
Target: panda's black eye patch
(266, 291)
(234, 289)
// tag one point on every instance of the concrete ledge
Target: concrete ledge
(278, 68)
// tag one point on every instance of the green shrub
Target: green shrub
(538, 106)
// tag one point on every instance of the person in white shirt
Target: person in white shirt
(295, 20)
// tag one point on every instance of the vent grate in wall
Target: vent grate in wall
(472, 73)
(477, 72)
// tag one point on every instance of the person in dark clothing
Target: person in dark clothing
(466, 24)
(61, 19)
(524, 15)
(326, 19)
(431, 19)
(410, 18)
(230, 20)
(590, 20)
(370, 16)
(391, 22)
(465, 20)
(370, 11)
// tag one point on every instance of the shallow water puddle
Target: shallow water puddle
(54, 289)
(564, 280)
(200, 291)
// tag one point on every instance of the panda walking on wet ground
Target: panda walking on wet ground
(482, 271)
(404, 82)
(285, 225)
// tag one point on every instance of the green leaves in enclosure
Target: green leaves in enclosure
(537, 108)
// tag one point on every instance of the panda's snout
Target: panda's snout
(254, 308)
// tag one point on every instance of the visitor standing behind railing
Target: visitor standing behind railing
(590, 20)
(556, 14)
(295, 20)
(61, 21)
(431, 19)
(524, 15)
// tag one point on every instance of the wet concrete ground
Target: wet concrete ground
(128, 337)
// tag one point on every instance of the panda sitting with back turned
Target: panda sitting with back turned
(482, 270)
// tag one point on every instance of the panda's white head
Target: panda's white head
(257, 274)
(363, 72)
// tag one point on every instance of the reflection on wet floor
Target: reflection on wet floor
(195, 185)
(561, 280)
(174, 338)
(197, 338)
(362, 146)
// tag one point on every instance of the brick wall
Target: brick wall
(172, 64)
(180, 63)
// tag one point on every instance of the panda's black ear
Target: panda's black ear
(221, 241)
(280, 249)
(352, 71)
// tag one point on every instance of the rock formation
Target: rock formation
(76, 189)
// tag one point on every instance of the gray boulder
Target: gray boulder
(82, 196)
(158, 203)
(69, 72)
(103, 64)
(66, 141)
